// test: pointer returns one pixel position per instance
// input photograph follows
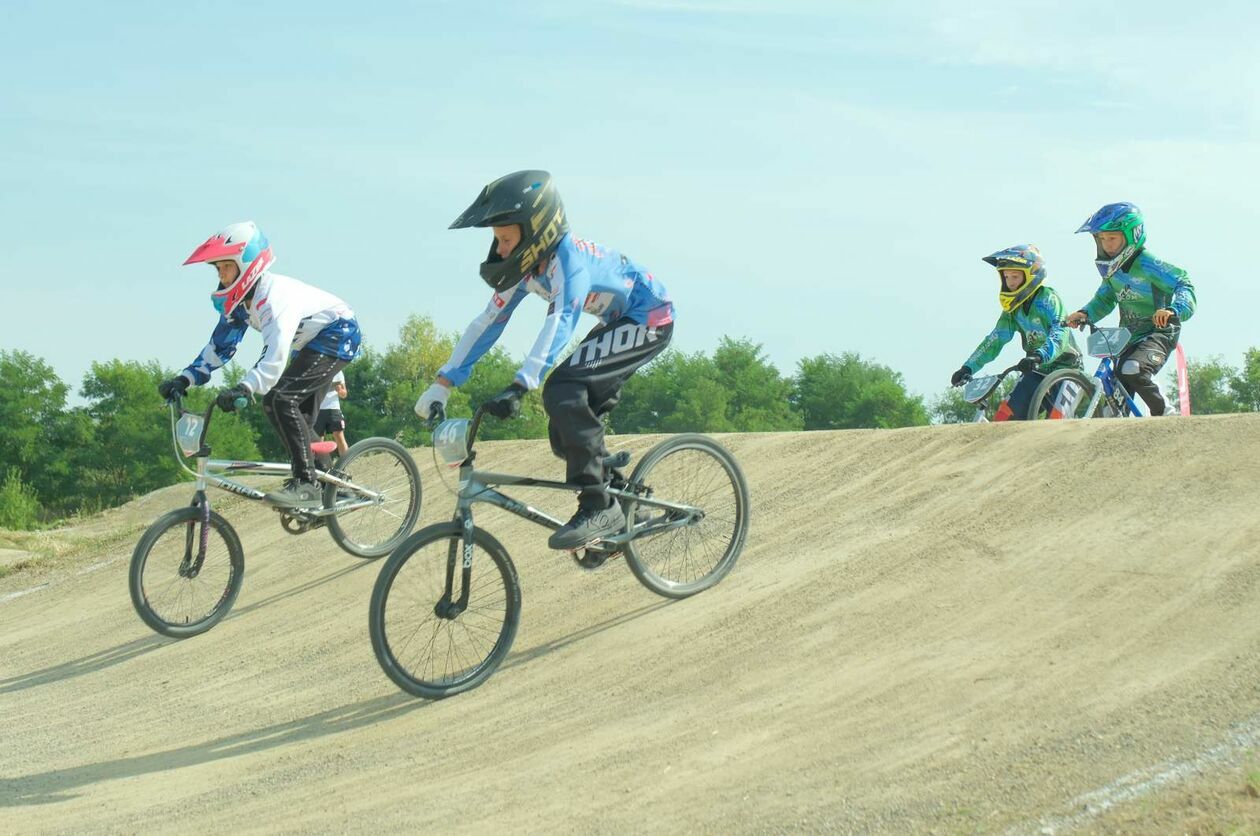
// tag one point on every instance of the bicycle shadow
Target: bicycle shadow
(298, 590)
(57, 785)
(88, 664)
(579, 635)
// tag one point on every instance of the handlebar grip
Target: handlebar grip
(437, 414)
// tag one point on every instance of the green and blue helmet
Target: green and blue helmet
(1116, 217)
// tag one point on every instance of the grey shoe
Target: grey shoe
(296, 494)
(588, 526)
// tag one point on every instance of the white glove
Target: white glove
(435, 394)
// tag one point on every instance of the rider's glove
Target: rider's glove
(435, 395)
(229, 400)
(960, 377)
(506, 404)
(177, 385)
(1028, 364)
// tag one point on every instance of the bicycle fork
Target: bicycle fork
(460, 553)
(190, 566)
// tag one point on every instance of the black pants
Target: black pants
(1138, 364)
(588, 385)
(293, 403)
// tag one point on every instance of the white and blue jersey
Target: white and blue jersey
(579, 276)
(291, 315)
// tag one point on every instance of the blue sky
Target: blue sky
(817, 176)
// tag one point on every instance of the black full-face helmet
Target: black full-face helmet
(528, 198)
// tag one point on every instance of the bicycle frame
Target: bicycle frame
(212, 471)
(480, 486)
(1110, 387)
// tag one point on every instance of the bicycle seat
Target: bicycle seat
(323, 448)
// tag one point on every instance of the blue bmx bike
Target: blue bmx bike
(1081, 396)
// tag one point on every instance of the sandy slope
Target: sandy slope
(954, 628)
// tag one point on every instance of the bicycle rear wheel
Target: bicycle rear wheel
(1064, 393)
(439, 629)
(696, 471)
(177, 588)
(384, 467)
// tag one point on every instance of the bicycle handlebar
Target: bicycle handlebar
(176, 404)
(437, 414)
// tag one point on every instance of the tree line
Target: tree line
(60, 460)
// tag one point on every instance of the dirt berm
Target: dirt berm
(954, 629)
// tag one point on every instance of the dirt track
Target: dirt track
(956, 629)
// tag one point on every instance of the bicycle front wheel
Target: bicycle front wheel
(1064, 393)
(383, 467)
(437, 627)
(695, 471)
(185, 575)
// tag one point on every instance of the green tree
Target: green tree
(760, 398)
(32, 401)
(949, 407)
(1211, 387)
(19, 506)
(845, 392)
(677, 392)
(1245, 384)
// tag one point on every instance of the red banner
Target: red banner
(1183, 381)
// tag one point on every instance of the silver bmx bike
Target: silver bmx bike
(188, 567)
(446, 605)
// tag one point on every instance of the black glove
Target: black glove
(506, 404)
(1028, 364)
(177, 385)
(230, 400)
(960, 377)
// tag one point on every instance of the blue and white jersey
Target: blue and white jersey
(291, 315)
(579, 276)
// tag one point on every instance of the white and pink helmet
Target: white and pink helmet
(244, 244)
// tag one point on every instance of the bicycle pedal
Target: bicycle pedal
(591, 559)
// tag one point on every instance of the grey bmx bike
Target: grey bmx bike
(188, 567)
(446, 605)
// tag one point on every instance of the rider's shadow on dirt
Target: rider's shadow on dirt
(298, 590)
(56, 785)
(585, 633)
(91, 663)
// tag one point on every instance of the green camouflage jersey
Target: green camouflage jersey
(1039, 323)
(1148, 285)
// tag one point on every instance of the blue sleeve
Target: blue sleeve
(223, 341)
(568, 297)
(1174, 281)
(482, 333)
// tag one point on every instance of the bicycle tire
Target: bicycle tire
(350, 529)
(656, 558)
(143, 596)
(389, 623)
(1052, 380)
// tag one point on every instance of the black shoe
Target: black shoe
(296, 494)
(587, 526)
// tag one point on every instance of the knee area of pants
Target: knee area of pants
(561, 399)
(1131, 368)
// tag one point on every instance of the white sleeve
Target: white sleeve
(279, 324)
